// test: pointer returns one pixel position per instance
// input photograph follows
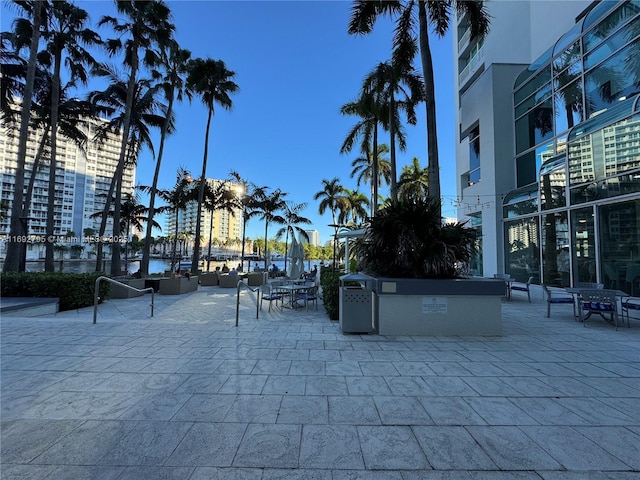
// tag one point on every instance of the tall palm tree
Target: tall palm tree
(355, 207)
(219, 197)
(331, 197)
(35, 10)
(372, 112)
(211, 80)
(364, 14)
(173, 62)
(363, 168)
(250, 195)
(414, 181)
(64, 36)
(401, 89)
(146, 113)
(148, 26)
(292, 218)
(269, 205)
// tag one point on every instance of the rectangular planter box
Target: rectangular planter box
(177, 286)
(118, 291)
(209, 279)
(464, 307)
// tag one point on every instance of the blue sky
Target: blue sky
(296, 66)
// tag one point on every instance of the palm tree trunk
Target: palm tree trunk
(375, 173)
(49, 261)
(392, 148)
(430, 102)
(144, 264)
(196, 246)
(12, 261)
(175, 245)
(103, 223)
(210, 237)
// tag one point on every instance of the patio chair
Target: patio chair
(600, 301)
(309, 295)
(629, 303)
(523, 287)
(507, 282)
(556, 296)
(270, 293)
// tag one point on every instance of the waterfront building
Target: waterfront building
(83, 177)
(223, 227)
(314, 237)
(548, 151)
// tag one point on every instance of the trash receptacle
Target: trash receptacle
(356, 303)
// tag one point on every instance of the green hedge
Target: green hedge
(75, 290)
(330, 282)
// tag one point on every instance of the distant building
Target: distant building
(548, 157)
(82, 183)
(223, 228)
(314, 237)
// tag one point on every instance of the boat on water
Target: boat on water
(252, 257)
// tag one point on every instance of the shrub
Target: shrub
(330, 283)
(75, 290)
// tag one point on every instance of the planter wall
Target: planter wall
(177, 286)
(118, 291)
(209, 279)
(439, 307)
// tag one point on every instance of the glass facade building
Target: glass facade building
(575, 213)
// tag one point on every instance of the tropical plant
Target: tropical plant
(35, 11)
(269, 205)
(354, 210)
(414, 181)
(147, 26)
(211, 80)
(292, 218)
(364, 14)
(408, 240)
(173, 62)
(220, 196)
(250, 195)
(363, 167)
(331, 197)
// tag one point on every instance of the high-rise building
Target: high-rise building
(83, 177)
(220, 227)
(314, 237)
(548, 147)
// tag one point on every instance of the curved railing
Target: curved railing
(97, 289)
(242, 284)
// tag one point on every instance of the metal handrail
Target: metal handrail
(96, 298)
(242, 284)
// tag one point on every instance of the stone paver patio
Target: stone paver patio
(188, 395)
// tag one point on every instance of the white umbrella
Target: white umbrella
(295, 265)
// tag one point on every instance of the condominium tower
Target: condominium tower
(548, 141)
(83, 177)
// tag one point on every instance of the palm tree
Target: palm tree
(65, 32)
(268, 206)
(211, 80)
(177, 199)
(148, 26)
(401, 89)
(219, 197)
(371, 111)
(292, 217)
(414, 181)
(363, 17)
(173, 61)
(363, 168)
(36, 10)
(355, 204)
(331, 197)
(147, 112)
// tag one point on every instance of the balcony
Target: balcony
(471, 67)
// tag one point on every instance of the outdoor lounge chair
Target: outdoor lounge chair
(556, 296)
(629, 303)
(309, 295)
(520, 287)
(270, 293)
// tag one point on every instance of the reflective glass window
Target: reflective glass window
(568, 58)
(535, 127)
(522, 249)
(615, 79)
(544, 76)
(533, 68)
(612, 44)
(475, 264)
(533, 100)
(624, 184)
(521, 202)
(553, 183)
(568, 107)
(526, 169)
(619, 235)
(618, 17)
(584, 245)
(555, 249)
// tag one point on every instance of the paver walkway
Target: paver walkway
(188, 395)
